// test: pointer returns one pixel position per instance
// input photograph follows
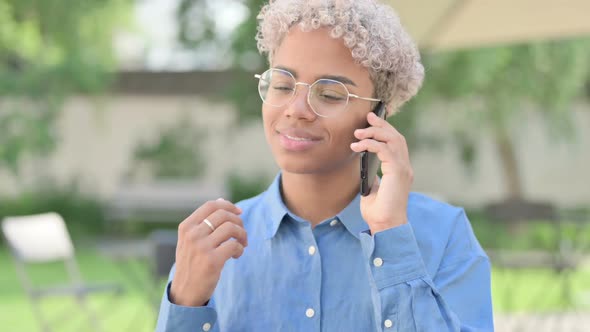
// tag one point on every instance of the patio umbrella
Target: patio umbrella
(455, 24)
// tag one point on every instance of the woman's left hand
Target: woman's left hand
(386, 206)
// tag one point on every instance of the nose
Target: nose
(299, 107)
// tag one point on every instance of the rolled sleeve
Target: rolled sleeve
(174, 317)
(394, 256)
(407, 298)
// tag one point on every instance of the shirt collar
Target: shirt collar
(350, 216)
(276, 209)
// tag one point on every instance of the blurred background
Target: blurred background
(122, 116)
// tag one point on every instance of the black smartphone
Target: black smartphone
(369, 162)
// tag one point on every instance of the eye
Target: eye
(331, 96)
(282, 88)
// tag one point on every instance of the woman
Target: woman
(310, 253)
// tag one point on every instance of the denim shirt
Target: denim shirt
(430, 274)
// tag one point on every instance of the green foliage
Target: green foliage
(241, 187)
(406, 121)
(196, 29)
(130, 310)
(82, 213)
(26, 128)
(499, 83)
(176, 154)
(491, 91)
(532, 235)
(49, 50)
(197, 26)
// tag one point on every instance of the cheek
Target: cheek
(344, 136)
(267, 120)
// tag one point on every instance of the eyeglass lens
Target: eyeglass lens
(326, 97)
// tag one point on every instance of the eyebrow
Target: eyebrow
(342, 79)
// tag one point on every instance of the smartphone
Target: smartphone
(370, 163)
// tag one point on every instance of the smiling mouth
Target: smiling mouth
(294, 137)
(295, 143)
(301, 139)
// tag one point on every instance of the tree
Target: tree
(495, 88)
(198, 30)
(176, 154)
(49, 50)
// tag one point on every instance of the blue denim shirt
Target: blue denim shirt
(428, 275)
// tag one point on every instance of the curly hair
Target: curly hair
(372, 31)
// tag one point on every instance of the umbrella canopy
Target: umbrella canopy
(456, 24)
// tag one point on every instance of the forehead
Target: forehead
(313, 54)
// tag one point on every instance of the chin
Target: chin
(311, 163)
(299, 164)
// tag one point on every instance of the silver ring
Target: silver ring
(208, 223)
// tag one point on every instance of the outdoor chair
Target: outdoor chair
(44, 238)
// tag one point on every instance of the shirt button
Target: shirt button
(334, 222)
(309, 312)
(388, 323)
(206, 327)
(311, 250)
(377, 262)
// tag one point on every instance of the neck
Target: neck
(319, 196)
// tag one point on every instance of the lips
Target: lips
(298, 134)
(297, 140)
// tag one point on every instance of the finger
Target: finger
(217, 218)
(376, 121)
(229, 249)
(382, 150)
(385, 135)
(208, 208)
(225, 232)
(220, 216)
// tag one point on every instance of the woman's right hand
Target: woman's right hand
(201, 252)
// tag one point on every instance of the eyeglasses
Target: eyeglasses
(326, 97)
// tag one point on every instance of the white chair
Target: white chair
(44, 238)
